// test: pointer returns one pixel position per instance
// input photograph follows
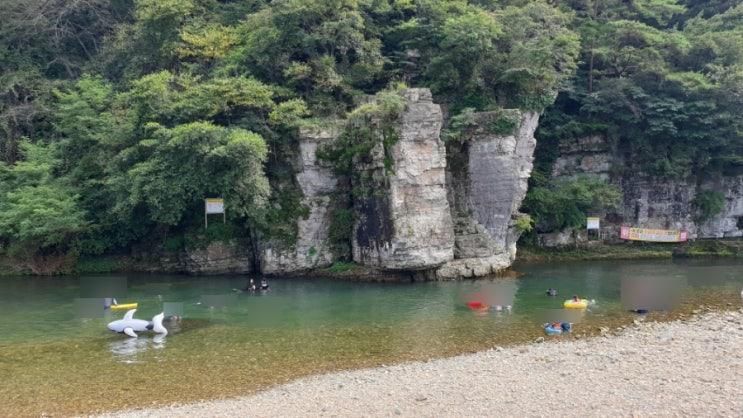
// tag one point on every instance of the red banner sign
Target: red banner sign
(653, 235)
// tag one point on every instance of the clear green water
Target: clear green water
(55, 361)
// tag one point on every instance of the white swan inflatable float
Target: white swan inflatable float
(128, 325)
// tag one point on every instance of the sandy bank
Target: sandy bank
(683, 368)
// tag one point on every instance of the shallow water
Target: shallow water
(56, 355)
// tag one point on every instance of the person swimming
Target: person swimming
(551, 292)
(251, 287)
(264, 284)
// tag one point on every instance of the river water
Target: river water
(56, 355)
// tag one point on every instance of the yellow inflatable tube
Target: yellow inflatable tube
(571, 304)
(124, 306)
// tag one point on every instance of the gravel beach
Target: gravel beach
(689, 367)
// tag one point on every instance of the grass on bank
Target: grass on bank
(633, 250)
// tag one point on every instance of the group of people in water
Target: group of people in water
(252, 287)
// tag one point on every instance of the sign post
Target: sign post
(213, 206)
(593, 224)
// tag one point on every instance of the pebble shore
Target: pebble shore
(690, 367)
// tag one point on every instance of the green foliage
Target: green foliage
(524, 223)
(118, 118)
(340, 232)
(509, 57)
(708, 204)
(177, 167)
(278, 219)
(97, 265)
(38, 213)
(461, 126)
(467, 122)
(665, 95)
(504, 123)
(368, 126)
(289, 114)
(342, 267)
(565, 204)
(198, 237)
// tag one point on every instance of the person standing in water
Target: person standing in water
(250, 287)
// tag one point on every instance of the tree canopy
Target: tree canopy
(119, 116)
(661, 81)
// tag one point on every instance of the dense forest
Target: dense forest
(118, 117)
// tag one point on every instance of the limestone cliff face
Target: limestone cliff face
(729, 223)
(415, 207)
(318, 183)
(487, 179)
(218, 258)
(403, 218)
(648, 202)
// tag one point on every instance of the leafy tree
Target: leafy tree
(565, 204)
(38, 213)
(178, 167)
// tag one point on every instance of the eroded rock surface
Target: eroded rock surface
(648, 201)
(218, 258)
(318, 183)
(404, 222)
(488, 179)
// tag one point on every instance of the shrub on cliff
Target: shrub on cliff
(707, 204)
(565, 204)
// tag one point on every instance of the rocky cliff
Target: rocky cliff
(403, 220)
(415, 208)
(317, 181)
(218, 258)
(487, 179)
(648, 201)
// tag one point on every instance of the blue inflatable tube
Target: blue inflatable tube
(549, 329)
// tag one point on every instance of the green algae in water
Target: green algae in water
(54, 362)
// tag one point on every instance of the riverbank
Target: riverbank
(168, 263)
(690, 367)
(633, 251)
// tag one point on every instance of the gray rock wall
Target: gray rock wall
(729, 223)
(650, 202)
(589, 155)
(318, 183)
(488, 179)
(658, 203)
(218, 258)
(403, 219)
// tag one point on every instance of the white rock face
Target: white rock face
(218, 258)
(499, 170)
(418, 214)
(651, 202)
(405, 224)
(318, 183)
(588, 155)
(658, 203)
(487, 185)
(729, 223)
